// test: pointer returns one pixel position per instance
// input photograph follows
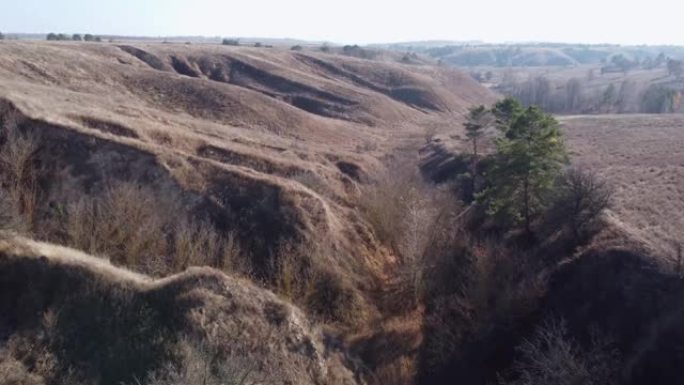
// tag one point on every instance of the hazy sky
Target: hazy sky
(360, 21)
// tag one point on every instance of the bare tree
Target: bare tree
(625, 95)
(551, 356)
(573, 92)
(582, 197)
(675, 68)
(417, 227)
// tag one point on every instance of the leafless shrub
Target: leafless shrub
(134, 227)
(472, 291)
(18, 166)
(10, 219)
(385, 201)
(581, 198)
(407, 215)
(124, 224)
(551, 356)
(427, 215)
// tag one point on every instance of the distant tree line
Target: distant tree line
(74, 37)
(231, 42)
(356, 51)
(574, 96)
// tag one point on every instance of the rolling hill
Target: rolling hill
(267, 149)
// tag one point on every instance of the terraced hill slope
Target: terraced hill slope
(238, 131)
(268, 146)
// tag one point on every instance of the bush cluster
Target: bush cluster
(74, 37)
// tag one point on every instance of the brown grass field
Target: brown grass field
(642, 156)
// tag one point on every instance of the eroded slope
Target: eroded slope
(268, 144)
(67, 316)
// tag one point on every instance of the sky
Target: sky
(359, 21)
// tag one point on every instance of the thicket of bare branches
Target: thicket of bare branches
(407, 215)
(582, 196)
(18, 168)
(551, 356)
(135, 227)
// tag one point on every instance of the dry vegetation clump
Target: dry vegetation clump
(407, 214)
(333, 298)
(418, 223)
(581, 196)
(10, 219)
(552, 356)
(138, 228)
(18, 169)
(302, 276)
(481, 294)
(124, 224)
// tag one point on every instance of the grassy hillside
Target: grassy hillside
(252, 161)
(72, 318)
(261, 215)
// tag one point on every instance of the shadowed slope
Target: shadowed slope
(110, 325)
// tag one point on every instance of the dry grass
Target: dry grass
(267, 147)
(138, 228)
(81, 317)
(642, 158)
(20, 173)
(262, 141)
